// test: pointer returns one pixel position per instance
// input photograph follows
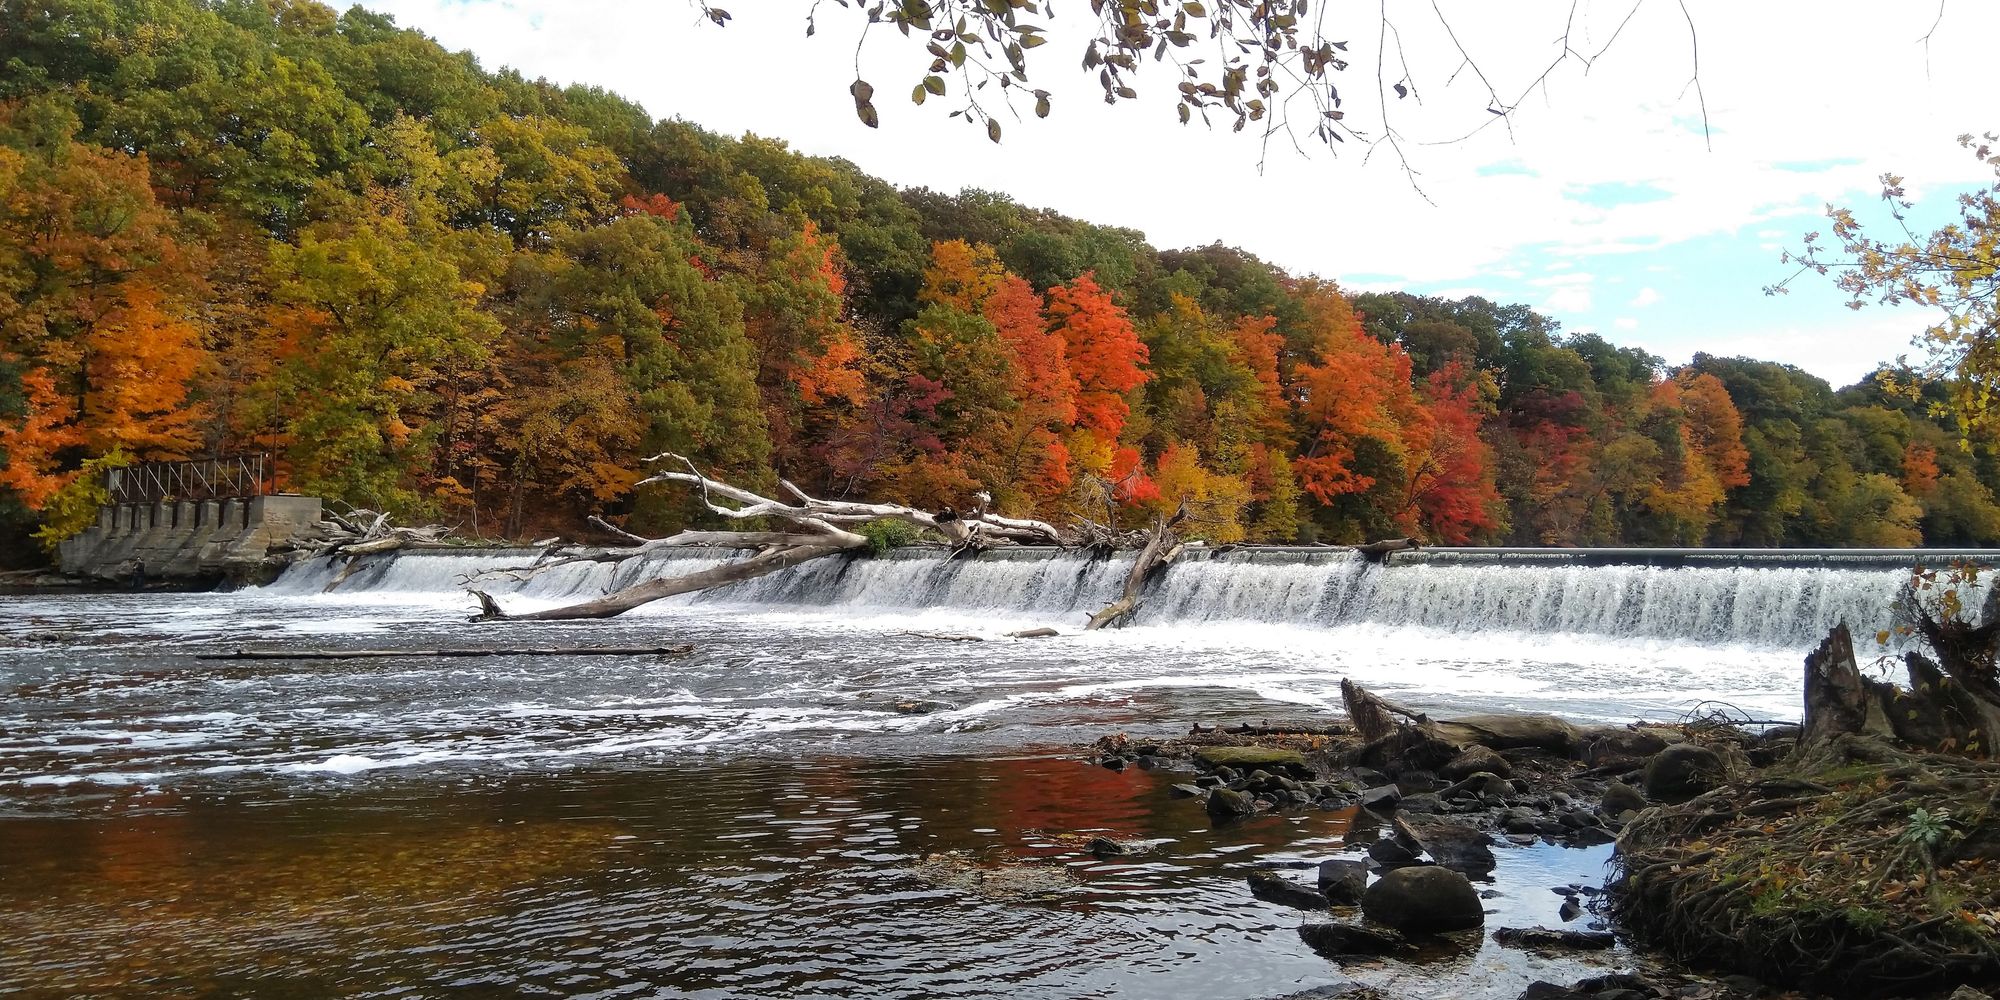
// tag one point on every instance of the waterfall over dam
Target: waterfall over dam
(1759, 597)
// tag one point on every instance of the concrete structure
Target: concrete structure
(187, 539)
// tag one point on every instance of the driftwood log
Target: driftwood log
(1396, 739)
(814, 528)
(677, 649)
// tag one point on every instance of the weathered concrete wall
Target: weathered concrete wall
(189, 539)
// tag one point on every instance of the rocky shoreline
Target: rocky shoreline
(1431, 802)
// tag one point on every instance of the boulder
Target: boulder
(1423, 900)
(1681, 772)
(1251, 758)
(1428, 802)
(1474, 760)
(1342, 882)
(1478, 785)
(1184, 791)
(1285, 892)
(1335, 940)
(1391, 853)
(1226, 804)
(1619, 797)
(1521, 819)
(1381, 798)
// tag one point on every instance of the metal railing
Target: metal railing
(224, 477)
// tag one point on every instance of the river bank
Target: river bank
(1745, 865)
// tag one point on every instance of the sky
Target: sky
(1613, 203)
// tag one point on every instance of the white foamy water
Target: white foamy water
(1766, 604)
(105, 695)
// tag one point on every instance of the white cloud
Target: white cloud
(1646, 297)
(1564, 278)
(1568, 299)
(1625, 323)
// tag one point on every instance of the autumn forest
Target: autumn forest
(469, 297)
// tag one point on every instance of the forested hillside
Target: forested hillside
(468, 296)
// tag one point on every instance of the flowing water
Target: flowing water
(766, 817)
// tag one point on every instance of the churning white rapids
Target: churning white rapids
(846, 656)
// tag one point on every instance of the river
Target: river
(767, 816)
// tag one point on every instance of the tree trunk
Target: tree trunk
(614, 604)
(1966, 654)
(1837, 697)
(1161, 548)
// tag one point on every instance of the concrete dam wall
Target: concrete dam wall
(187, 539)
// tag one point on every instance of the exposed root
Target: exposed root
(1887, 883)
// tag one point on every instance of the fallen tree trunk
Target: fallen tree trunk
(617, 603)
(1162, 546)
(1398, 739)
(677, 649)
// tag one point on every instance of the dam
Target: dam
(1773, 597)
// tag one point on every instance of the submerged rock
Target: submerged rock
(1106, 847)
(1335, 940)
(1423, 900)
(1285, 892)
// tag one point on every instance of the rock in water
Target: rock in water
(1342, 882)
(1475, 759)
(1106, 847)
(1391, 853)
(1681, 772)
(1455, 846)
(1225, 803)
(1544, 939)
(1423, 900)
(1335, 940)
(1278, 889)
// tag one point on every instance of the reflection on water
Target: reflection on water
(758, 877)
(755, 820)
